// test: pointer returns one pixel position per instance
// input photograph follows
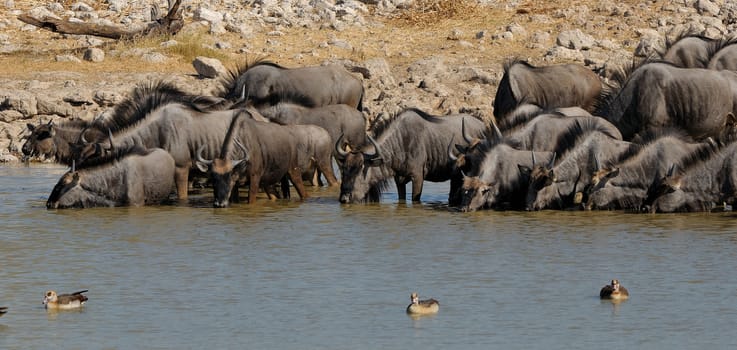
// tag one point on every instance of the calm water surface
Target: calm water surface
(320, 275)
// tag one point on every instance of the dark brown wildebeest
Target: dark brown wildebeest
(626, 185)
(566, 85)
(658, 94)
(270, 153)
(560, 185)
(699, 184)
(132, 177)
(63, 140)
(266, 83)
(411, 146)
(501, 180)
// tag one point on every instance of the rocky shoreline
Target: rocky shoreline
(602, 35)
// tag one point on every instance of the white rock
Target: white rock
(208, 67)
(576, 40)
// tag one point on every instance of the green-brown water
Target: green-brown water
(321, 275)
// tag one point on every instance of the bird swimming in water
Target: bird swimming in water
(64, 301)
(614, 291)
(3, 310)
(422, 307)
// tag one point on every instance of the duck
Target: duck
(3, 310)
(64, 301)
(422, 307)
(614, 291)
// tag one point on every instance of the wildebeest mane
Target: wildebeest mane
(148, 96)
(642, 141)
(704, 152)
(577, 132)
(523, 118)
(520, 120)
(113, 156)
(717, 45)
(229, 87)
(515, 60)
(379, 126)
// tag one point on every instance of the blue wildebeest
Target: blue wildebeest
(560, 185)
(412, 146)
(502, 177)
(537, 130)
(708, 178)
(567, 85)
(659, 94)
(270, 154)
(626, 185)
(132, 176)
(336, 119)
(64, 139)
(724, 56)
(179, 129)
(688, 50)
(266, 83)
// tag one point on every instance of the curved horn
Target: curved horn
(377, 151)
(552, 161)
(466, 136)
(82, 139)
(74, 165)
(245, 152)
(339, 147)
(597, 163)
(671, 170)
(497, 132)
(110, 138)
(533, 158)
(199, 156)
(452, 156)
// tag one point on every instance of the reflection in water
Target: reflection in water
(316, 274)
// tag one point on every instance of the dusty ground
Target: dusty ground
(408, 36)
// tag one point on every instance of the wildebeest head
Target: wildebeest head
(222, 173)
(357, 183)
(472, 153)
(541, 176)
(477, 194)
(665, 195)
(69, 192)
(41, 140)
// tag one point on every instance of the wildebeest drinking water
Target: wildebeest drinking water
(266, 83)
(132, 176)
(658, 94)
(270, 153)
(412, 146)
(566, 85)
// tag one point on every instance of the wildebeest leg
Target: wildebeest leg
(326, 168)
(295, 174)
(253, 188)
(454, 196)
(286, 194)
(270, 192)
(181, 178)
(234, 196)
(401, 187)
(417, 182)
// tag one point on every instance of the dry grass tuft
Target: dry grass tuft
(430, 11)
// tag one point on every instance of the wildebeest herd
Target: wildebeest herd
(658, 137)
